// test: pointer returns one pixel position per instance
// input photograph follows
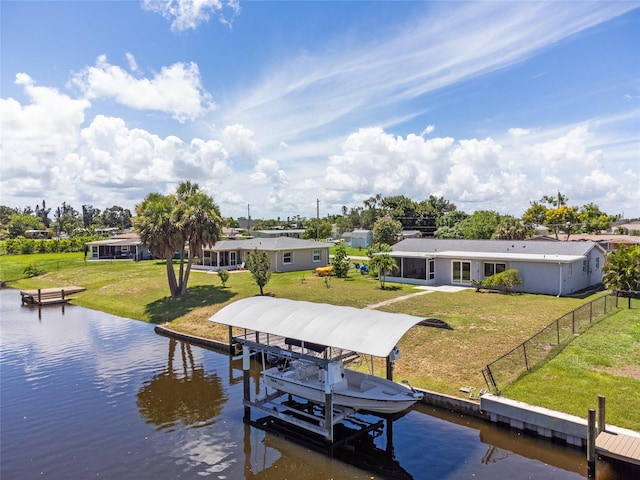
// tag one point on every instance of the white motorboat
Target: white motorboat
(350, 388)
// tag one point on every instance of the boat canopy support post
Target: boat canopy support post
(246, 380)
(328, 406)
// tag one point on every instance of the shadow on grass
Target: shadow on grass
(166, 309)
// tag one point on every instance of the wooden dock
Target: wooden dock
(49, 296)
(619, 446)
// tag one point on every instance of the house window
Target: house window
(317, 256)
(597, 262)
(432, 269)
(584, 265)
(287, 258)
(491, 268)
(461, 272)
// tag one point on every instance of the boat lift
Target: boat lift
(299, 417)
(344, 328)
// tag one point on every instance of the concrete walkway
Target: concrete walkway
(423, 291)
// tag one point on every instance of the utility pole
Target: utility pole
(249, 218)
(317, 219)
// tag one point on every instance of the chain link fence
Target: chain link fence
(554, 336)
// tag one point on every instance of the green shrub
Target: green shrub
(505, 281)
(32, 270)
(224, 276)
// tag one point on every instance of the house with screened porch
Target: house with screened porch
(546, 267)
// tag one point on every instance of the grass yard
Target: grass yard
(604, 360)
(484, 325)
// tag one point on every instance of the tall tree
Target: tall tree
(594, 220)
(386, 230)
(43, 213)
(183, 222)
(158, 232)
(511, 228)
(480, 225)
(89, 214)
(258, 265)
(116, 217)
(563, 219)
(67, 219)
(535, 214)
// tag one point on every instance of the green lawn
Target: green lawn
(484, 325)
(605, 360)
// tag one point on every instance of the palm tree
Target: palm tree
(184, 223)
(384, 264)
(154, 224)
(199, 220)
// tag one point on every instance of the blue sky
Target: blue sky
(277, 104)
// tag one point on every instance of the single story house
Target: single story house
(285, 254)
(279, 232)
(547, 267)
(126, 246)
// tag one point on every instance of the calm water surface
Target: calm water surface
(85, 394)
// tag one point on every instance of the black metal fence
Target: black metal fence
(534, 350)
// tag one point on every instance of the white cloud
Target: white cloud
(240, 141)
(428, 130)
(499, 174)
(190, 14)
(176, 89)
(133, 65)
(36, 135)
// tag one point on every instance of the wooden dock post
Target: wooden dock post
(602, 422)
(591, 444)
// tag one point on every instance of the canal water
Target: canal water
(86, 394)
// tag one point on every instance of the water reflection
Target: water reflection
(185, 394)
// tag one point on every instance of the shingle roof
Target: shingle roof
(269, 244)
(538, 247)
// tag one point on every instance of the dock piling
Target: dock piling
(591, 443)
(602, 423)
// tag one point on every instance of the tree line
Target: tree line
(434, 216)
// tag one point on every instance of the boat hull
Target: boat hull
(357, 390)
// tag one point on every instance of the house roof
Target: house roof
(268, 244)
(124, 239)
(370, 332)
(525, 250)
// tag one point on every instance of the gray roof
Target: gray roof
(269, 244)
(502, 248)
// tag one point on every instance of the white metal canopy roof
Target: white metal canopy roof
(365, 331)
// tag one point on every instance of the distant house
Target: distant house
(279, 232)
(608, 241)
(127, 246)
(285, 254)
(548, 267)
(359, 239)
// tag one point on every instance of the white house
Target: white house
(285, 254)
(126, 246)
(548, 267)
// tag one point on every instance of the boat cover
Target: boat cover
(369, 332)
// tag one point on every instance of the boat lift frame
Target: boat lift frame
(323, 426)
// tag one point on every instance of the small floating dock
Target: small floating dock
(619, 447)
(49, 296)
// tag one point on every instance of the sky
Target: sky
(276, 108)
